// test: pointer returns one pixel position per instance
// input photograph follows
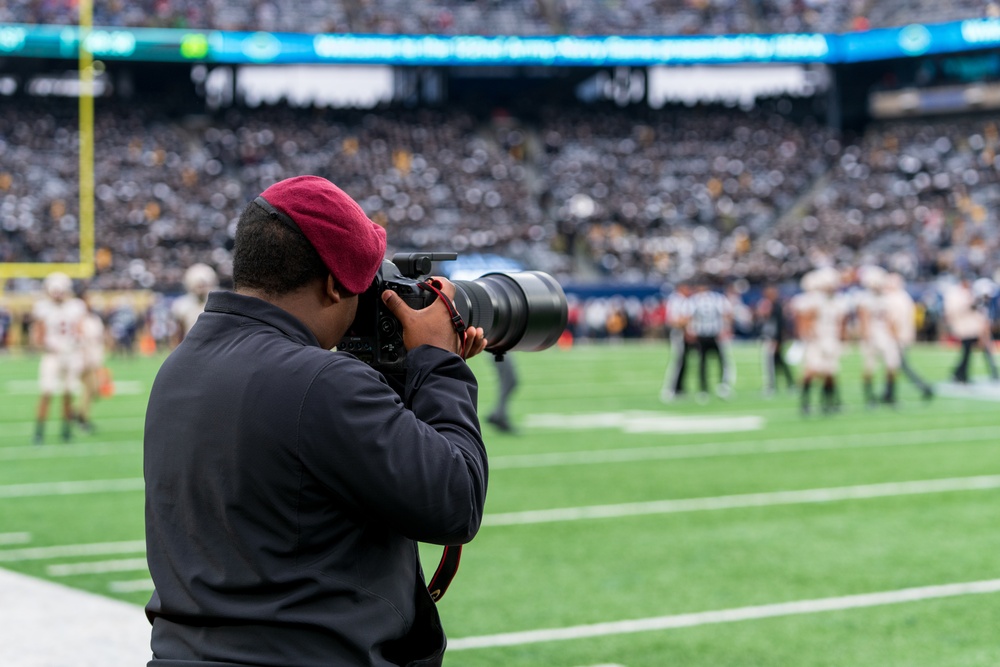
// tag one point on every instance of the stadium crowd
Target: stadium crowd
(659, 197)
(505, 17)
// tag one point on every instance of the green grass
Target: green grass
(553, 575)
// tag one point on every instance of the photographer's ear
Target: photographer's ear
(333, 290)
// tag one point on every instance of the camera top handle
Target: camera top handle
(416, 264)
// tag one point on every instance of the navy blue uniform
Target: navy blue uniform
(287, 487)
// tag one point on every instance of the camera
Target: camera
(518, 311)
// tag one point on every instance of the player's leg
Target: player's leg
(961, 372)
(911, 374)
(769, 358)
(673, 377)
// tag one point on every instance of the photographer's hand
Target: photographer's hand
(433, 326)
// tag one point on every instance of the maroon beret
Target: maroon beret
(351, 245)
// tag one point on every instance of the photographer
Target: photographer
(287, 485)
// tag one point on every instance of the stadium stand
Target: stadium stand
(506, 17)
(647, 197)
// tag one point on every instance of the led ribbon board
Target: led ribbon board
(176, 45)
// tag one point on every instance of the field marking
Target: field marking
(638, 421)
(746, 500)
(743, 448)
(72, 450)
(23, 430)
(23, 387)
(72, 551)
(14, 538)
(793, 608)
(71, 488)
(981, 389)
(96, 567)
(133, 586)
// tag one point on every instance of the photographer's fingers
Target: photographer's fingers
(426, 326)
(475, 342)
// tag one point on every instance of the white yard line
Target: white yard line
(745, 447)
(22, 387)
(47, 625)
(72, 450)
(96, 567)
(71, 488)
(794, 608)
(72, 551)
(14, 538)
(23, 430)
(823, 495)
(133, 586)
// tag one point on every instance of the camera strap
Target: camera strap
(448, 567)
(456, 318)
(446, 571)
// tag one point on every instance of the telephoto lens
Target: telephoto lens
(521, 311)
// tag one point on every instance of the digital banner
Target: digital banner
(174, 45)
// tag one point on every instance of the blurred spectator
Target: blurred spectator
(505, 17)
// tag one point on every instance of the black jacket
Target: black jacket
(287, 487)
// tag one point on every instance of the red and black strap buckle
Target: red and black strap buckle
(446, 571)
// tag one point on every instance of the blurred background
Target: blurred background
(619, 145)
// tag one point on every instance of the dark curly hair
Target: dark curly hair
(271, 257)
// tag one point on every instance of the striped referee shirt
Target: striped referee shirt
(709, 313)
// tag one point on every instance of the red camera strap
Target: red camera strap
(446, 571)
(456, 318)
(448, 567)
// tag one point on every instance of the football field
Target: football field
(621, 531)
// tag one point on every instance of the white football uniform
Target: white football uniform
(822, 345)
(902, 312)
(964, 320)
(879, 342)
(186, 309)
(62, 360)
(92, 339)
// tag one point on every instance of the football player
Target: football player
(877, 333)
(819, 322)
(199, 280)
(56, 331)
(970, 326)
(93, 351)
(902, 311)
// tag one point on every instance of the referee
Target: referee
(710, 324)
(681, 342)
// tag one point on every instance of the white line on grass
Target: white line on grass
(96, 567)
(793, 608)
(745, 500)
(23, 430)
(72, 551)
(14, 538)
(73, 450)
(134, 586)
(71, 488)
(744, 447)
(21, 387)
(644, 421)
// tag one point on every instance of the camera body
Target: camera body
(376, 336)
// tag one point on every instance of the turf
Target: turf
(568, 573)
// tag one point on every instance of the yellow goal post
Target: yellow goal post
(84, 268)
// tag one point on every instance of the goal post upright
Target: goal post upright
(84, 268)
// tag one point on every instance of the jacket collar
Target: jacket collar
(258, 309)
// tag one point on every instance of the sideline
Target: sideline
(52, 625)
(793, 608)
